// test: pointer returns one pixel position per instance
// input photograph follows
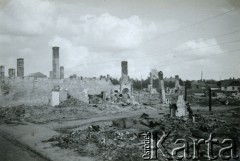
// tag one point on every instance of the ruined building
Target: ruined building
(20, 67)
(150, 86)
(61, 72)
(11, 73)
(2, 73)
(37, 90)
(162, 88)
(55, 63)
(177, 85)
(125, 82)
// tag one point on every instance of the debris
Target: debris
(123, 136)
(94, 127)
(72, 102)
(123, 123)
(145, 116)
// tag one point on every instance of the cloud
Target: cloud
(27, 17)
(106, 32)
(94, 44)
(198, 48)
(73, 57)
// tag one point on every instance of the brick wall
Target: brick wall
(32, 91)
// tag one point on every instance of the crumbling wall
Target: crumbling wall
(38, 91)
(181, 110)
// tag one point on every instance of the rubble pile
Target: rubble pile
(101, 143)
(72, 102)
(49, 114)
(11, 113)
(229, 100)
(203, 101)
(123, 139)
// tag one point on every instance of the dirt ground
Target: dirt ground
(6, 152)
(114, 131)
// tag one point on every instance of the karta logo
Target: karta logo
(154, 145)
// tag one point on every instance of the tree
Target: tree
(73, 76)
(188, 84)
(180, 82)
(114, 81)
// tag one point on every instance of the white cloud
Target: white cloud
(89, 40)
(198, 48)
(28, 17)
(106, 31)
(73, 57)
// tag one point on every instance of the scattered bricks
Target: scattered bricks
(124, 136)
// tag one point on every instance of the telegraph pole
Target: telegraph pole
(210, 98)
(185, 96)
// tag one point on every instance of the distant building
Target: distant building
(171, 79)
(230, 85)
(198, 85)
(213, 87)
(197, 92)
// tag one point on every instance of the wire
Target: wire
(190, 25)
(153, 55)
(166, 50)
(223, 43)
(192, 59)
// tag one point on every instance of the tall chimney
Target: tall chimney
(151, 79)
(20, 67)
(2, 72)
(161, 87)
(124, 68)
(108, 77)
(55, 63)
(11, 73)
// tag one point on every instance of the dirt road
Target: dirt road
(10, 151)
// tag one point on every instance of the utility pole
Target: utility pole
(185, 96)
(210, 98)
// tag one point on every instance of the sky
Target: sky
(178, 37)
